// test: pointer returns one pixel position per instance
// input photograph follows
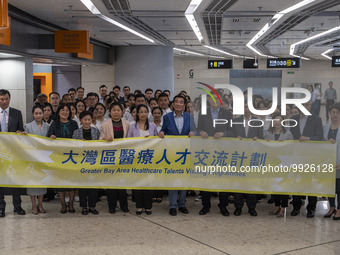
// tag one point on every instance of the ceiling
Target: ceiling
(227, 25)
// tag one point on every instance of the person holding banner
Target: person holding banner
(178, 122)
(240, 130)
(63, 127)
(115, 128)
(86, 132)
(206, 128)
(143, 128)
(11, 121)
(307, 128)
(332, 134)
(37, 127)
(278, 133)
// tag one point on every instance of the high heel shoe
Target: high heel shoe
(328, 215)
(34, 211)
(139, 212)
(41, 210)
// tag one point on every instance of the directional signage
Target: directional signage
(336, 61)
(283, 63)
(220, 64)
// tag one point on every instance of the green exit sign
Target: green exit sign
(290, 72)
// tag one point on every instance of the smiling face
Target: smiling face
(47, 112)
(179, 105)
(100, 111)
(335, 115)
(157, 114)
(86, 122)
(153, 104)
(80, 107)
(143, 113)
(64, 114)
(38, 115)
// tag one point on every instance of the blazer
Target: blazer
(134, 130)
(78, 134)
(14, 120)
(169, 125)
(239, 130)
(313, 128)
(32, 128)
(107, 129)
(205, 122)
(283, 136)
(325, 138)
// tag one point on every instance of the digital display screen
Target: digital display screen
(283, 63)
(336, 61)
(220, 64)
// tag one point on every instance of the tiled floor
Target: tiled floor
(160, 233)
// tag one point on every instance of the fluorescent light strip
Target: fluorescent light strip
(189, 14)
(324, 54)
(190, 52)
(275, 19)
(92, 8)
(292, 47)
(299, 57)
(227, 53)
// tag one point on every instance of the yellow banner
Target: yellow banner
(174, 162)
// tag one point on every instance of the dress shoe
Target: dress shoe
(328, 215)
(336, 218)
(93, 211)
(139, 212)
(237, 211)
(295, 212)
(310, 214)
(71, 211)
(2, 213)
(173, 212)
(183, 210)
(112, 211)
(63, 211)
(19, 211)
(148, 212)
(125, 210)
(204, 210)
(252, 212)
(225, 212)
(84, 211)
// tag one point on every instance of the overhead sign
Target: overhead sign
(220, 64)
(71, 41)
(250, 63)
(336, 61)
(4, 14)
(5, 34)
(88, 55)
(283, 63)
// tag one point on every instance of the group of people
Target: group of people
(109, 116)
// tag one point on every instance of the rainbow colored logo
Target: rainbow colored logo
(208, 92)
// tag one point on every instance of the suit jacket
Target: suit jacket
(32, 128)
(239, 130)
(14, 120)
(169, 125)
(134, 130)
(313, 128)
(283, 136)
(205, 122)
(107, 129)
(78, 134)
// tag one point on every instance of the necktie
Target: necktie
(3, 122)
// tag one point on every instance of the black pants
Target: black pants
(281, 200)
(16, 197)
(337, 192)
(144, 198)
(328, 105)
(223, 198)
(251, 200)
(297, 202)
(117, 194)
(88, 197)
(158, 193)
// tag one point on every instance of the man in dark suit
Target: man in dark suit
(205, 129)
(177, 122)
(11, 121)
(245, 131)
(309, 128)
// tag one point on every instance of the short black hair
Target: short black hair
(166, 90)
(47, 104)
(85, 113)
(155, 108)
(335, 106)
(148, 89)
(91, 94)
(53, 93)
(180, 96)
(126, 87)
(4, 92)
(139, 95)
(116, 87)
(102, 86)
(163, 95)
(131, 95)
(153, 99)
(71, 89)
(116, 104)
(80, 88)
